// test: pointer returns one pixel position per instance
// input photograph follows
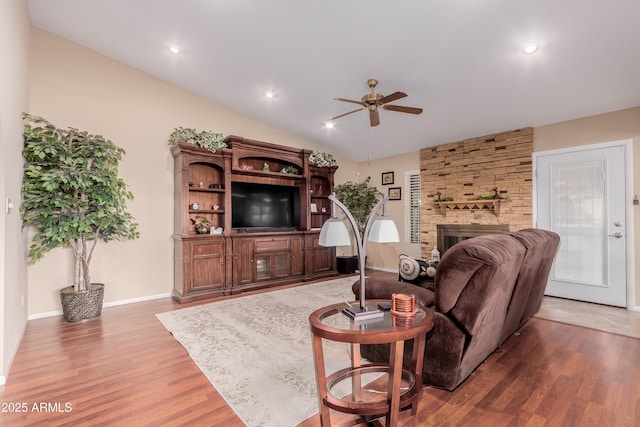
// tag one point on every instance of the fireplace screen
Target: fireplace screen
(450, 234)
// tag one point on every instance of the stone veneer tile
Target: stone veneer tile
(467, 169)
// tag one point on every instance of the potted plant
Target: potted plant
(322, 159)
(73, 197)
(360, 199)
(201, 224)
(212, 141)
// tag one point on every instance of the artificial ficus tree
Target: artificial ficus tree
(71, 193)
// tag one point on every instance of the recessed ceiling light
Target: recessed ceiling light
(530, 48)
(329, 125)
(269, 94)
(174, 49)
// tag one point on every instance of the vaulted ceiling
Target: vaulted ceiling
(459, 60)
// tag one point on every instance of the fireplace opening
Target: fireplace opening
(450, 234)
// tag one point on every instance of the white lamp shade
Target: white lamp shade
(334, 233)
(384, 230)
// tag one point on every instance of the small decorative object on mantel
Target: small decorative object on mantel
(212, 141)
(265, 167)
(201, 224)
(440, 199)
(320, 159)
(246, 167)
(494, 196)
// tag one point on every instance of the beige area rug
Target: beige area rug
(605, 318)
(256, 350)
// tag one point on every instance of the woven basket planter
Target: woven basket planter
(83, 305)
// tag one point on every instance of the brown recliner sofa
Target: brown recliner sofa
(486, 289)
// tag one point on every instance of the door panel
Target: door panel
(581, 196)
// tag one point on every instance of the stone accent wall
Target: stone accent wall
(467, 169)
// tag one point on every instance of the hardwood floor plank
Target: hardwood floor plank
(125, 369)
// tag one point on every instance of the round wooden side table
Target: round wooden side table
(369, 389)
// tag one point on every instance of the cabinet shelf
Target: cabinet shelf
(206, 190)
(259, 172)
(206, 211)
(493, 205)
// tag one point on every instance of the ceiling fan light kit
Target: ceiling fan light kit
(372, 101)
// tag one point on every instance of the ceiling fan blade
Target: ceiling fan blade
(374, 117)
(401, 109)
(393, 97)
(348, 100)
(342, 115)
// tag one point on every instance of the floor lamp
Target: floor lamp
(379, 229)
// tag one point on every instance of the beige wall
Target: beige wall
(384, 256)
(74, 86)
(614, 126)
(14, 42)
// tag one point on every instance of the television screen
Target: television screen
(264, 206)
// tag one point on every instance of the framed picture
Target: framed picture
(395, 193)
(387, 178)
(314, 208)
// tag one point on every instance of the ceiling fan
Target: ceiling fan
(373, 100)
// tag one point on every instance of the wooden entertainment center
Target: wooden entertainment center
(240, 259)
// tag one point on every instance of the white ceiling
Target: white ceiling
(459, 60)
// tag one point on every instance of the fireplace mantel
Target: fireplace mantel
(493, 205)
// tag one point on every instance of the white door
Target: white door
(581, 196)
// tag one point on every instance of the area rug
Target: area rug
(256, 350)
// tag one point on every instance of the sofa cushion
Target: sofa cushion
(417, 271)
(541, 246)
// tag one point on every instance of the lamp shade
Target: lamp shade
(334, 233)
(383, 230)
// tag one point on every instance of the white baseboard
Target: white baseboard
(388, 270)
(105, 305)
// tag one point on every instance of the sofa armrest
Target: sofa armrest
(383, 289)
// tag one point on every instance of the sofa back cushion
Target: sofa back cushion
(475, 280)
(541, 246)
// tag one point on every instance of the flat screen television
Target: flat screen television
(264, 207)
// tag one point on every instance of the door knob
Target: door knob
(617, 235)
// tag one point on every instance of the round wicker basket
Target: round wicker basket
(83, 305)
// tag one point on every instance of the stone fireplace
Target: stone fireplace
(450, 234)
(459, 181)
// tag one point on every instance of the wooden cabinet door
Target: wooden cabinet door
(281, 265)
(245, 268)
(297, 255)
(273, 266)
(322, 259)
(263, 267)
(207, 265)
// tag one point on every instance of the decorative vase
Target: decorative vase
(203, 229)
(82, 305)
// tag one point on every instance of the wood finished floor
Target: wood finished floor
(125, 369)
